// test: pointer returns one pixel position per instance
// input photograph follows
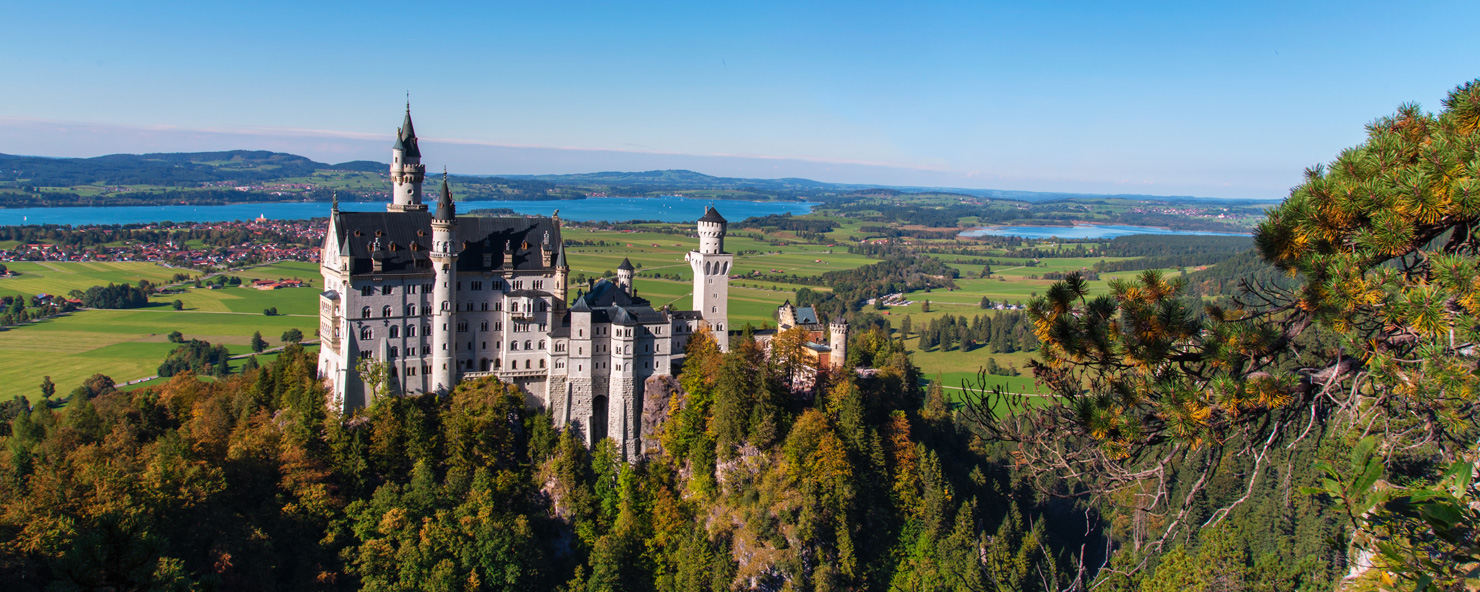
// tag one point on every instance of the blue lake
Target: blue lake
(1084, 231)
(615, 209)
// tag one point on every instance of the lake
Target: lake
(1085, 231)
(615, 209)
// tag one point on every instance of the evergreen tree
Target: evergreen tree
(258, 343)
(48, 388)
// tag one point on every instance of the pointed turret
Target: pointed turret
(407, 172)
(446, 211)
(406, 137)
(624, 276)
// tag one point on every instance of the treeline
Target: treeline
(249, 483)
(199, 357)
(1004, 333)
(115, 296)
(900, 272)
(787, 222)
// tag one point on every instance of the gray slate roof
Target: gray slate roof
(476, 237)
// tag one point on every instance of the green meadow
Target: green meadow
(54, 277)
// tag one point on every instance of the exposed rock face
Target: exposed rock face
(657, 392)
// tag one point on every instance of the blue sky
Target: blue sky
(1174, 98)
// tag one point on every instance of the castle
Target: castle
(437, 298)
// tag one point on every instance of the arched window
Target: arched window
(497, 363)
(365, 313)
(526, 364)
(542, 362)
(446, 306)
(365, 333)
(542, 344)
(527, 344)
(410, 310)
(395, 331)
(726, 268)
(514, 345)
(385, 312)
(411, 330)
(395, 353)
(543, 306)
(714, 309)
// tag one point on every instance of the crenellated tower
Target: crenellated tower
(625, 272)
(837, 341)
(407, 172)
(444, 262)
(711, 266)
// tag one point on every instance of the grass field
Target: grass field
(52, 277)
(130, 344)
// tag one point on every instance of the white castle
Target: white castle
(439, 298)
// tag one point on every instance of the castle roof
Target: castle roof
(806, 315)
(712, 215)
(446, 210)
(481, 242)
(626, 265)
(608, 302)
(406, 138)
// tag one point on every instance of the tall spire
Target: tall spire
(446, 211)
(406, 135)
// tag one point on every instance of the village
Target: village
(221, 245)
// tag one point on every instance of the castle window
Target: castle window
(411, 289)
(446, 305)
(393, 371)
(367, 291)
(365, 333)
(485, 345)
(498, 325)
(542, 363)
(462, 327)
(395, 353)
(426, 288)
(714, 309)
(580, 367)
(411, 371)
(526, 364)
(365, 312)
(385, 311)
(527, 344)
(497, 363)
(411, 330)
(498, 307)
(385, 290)
(580, 332)
(484, 306)
(543, 327)
(543, 306)
(514, 345)
(459, 286)
(580, 351)
(477, 286)
(542, 344)
(483, 326)
(410, 310)
(410, 352)
(395, 331)
(539, 285)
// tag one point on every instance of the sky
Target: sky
(1160, 98)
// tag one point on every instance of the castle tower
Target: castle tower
(444, 299)
(624, 275)
(837, 341)
(562, 276)
(407, 172)
(711, 266)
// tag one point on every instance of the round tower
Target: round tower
(837, 341)
(712, 232)
(444, 296)
(407, 172)
(624, 275)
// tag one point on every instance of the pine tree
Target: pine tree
(258, 343)
(48, 388)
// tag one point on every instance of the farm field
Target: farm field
(54, 277)
(130, 344)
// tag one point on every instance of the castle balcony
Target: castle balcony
(502, 374)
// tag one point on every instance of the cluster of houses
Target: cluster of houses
(179, 253)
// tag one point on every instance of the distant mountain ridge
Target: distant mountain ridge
(192, 169)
